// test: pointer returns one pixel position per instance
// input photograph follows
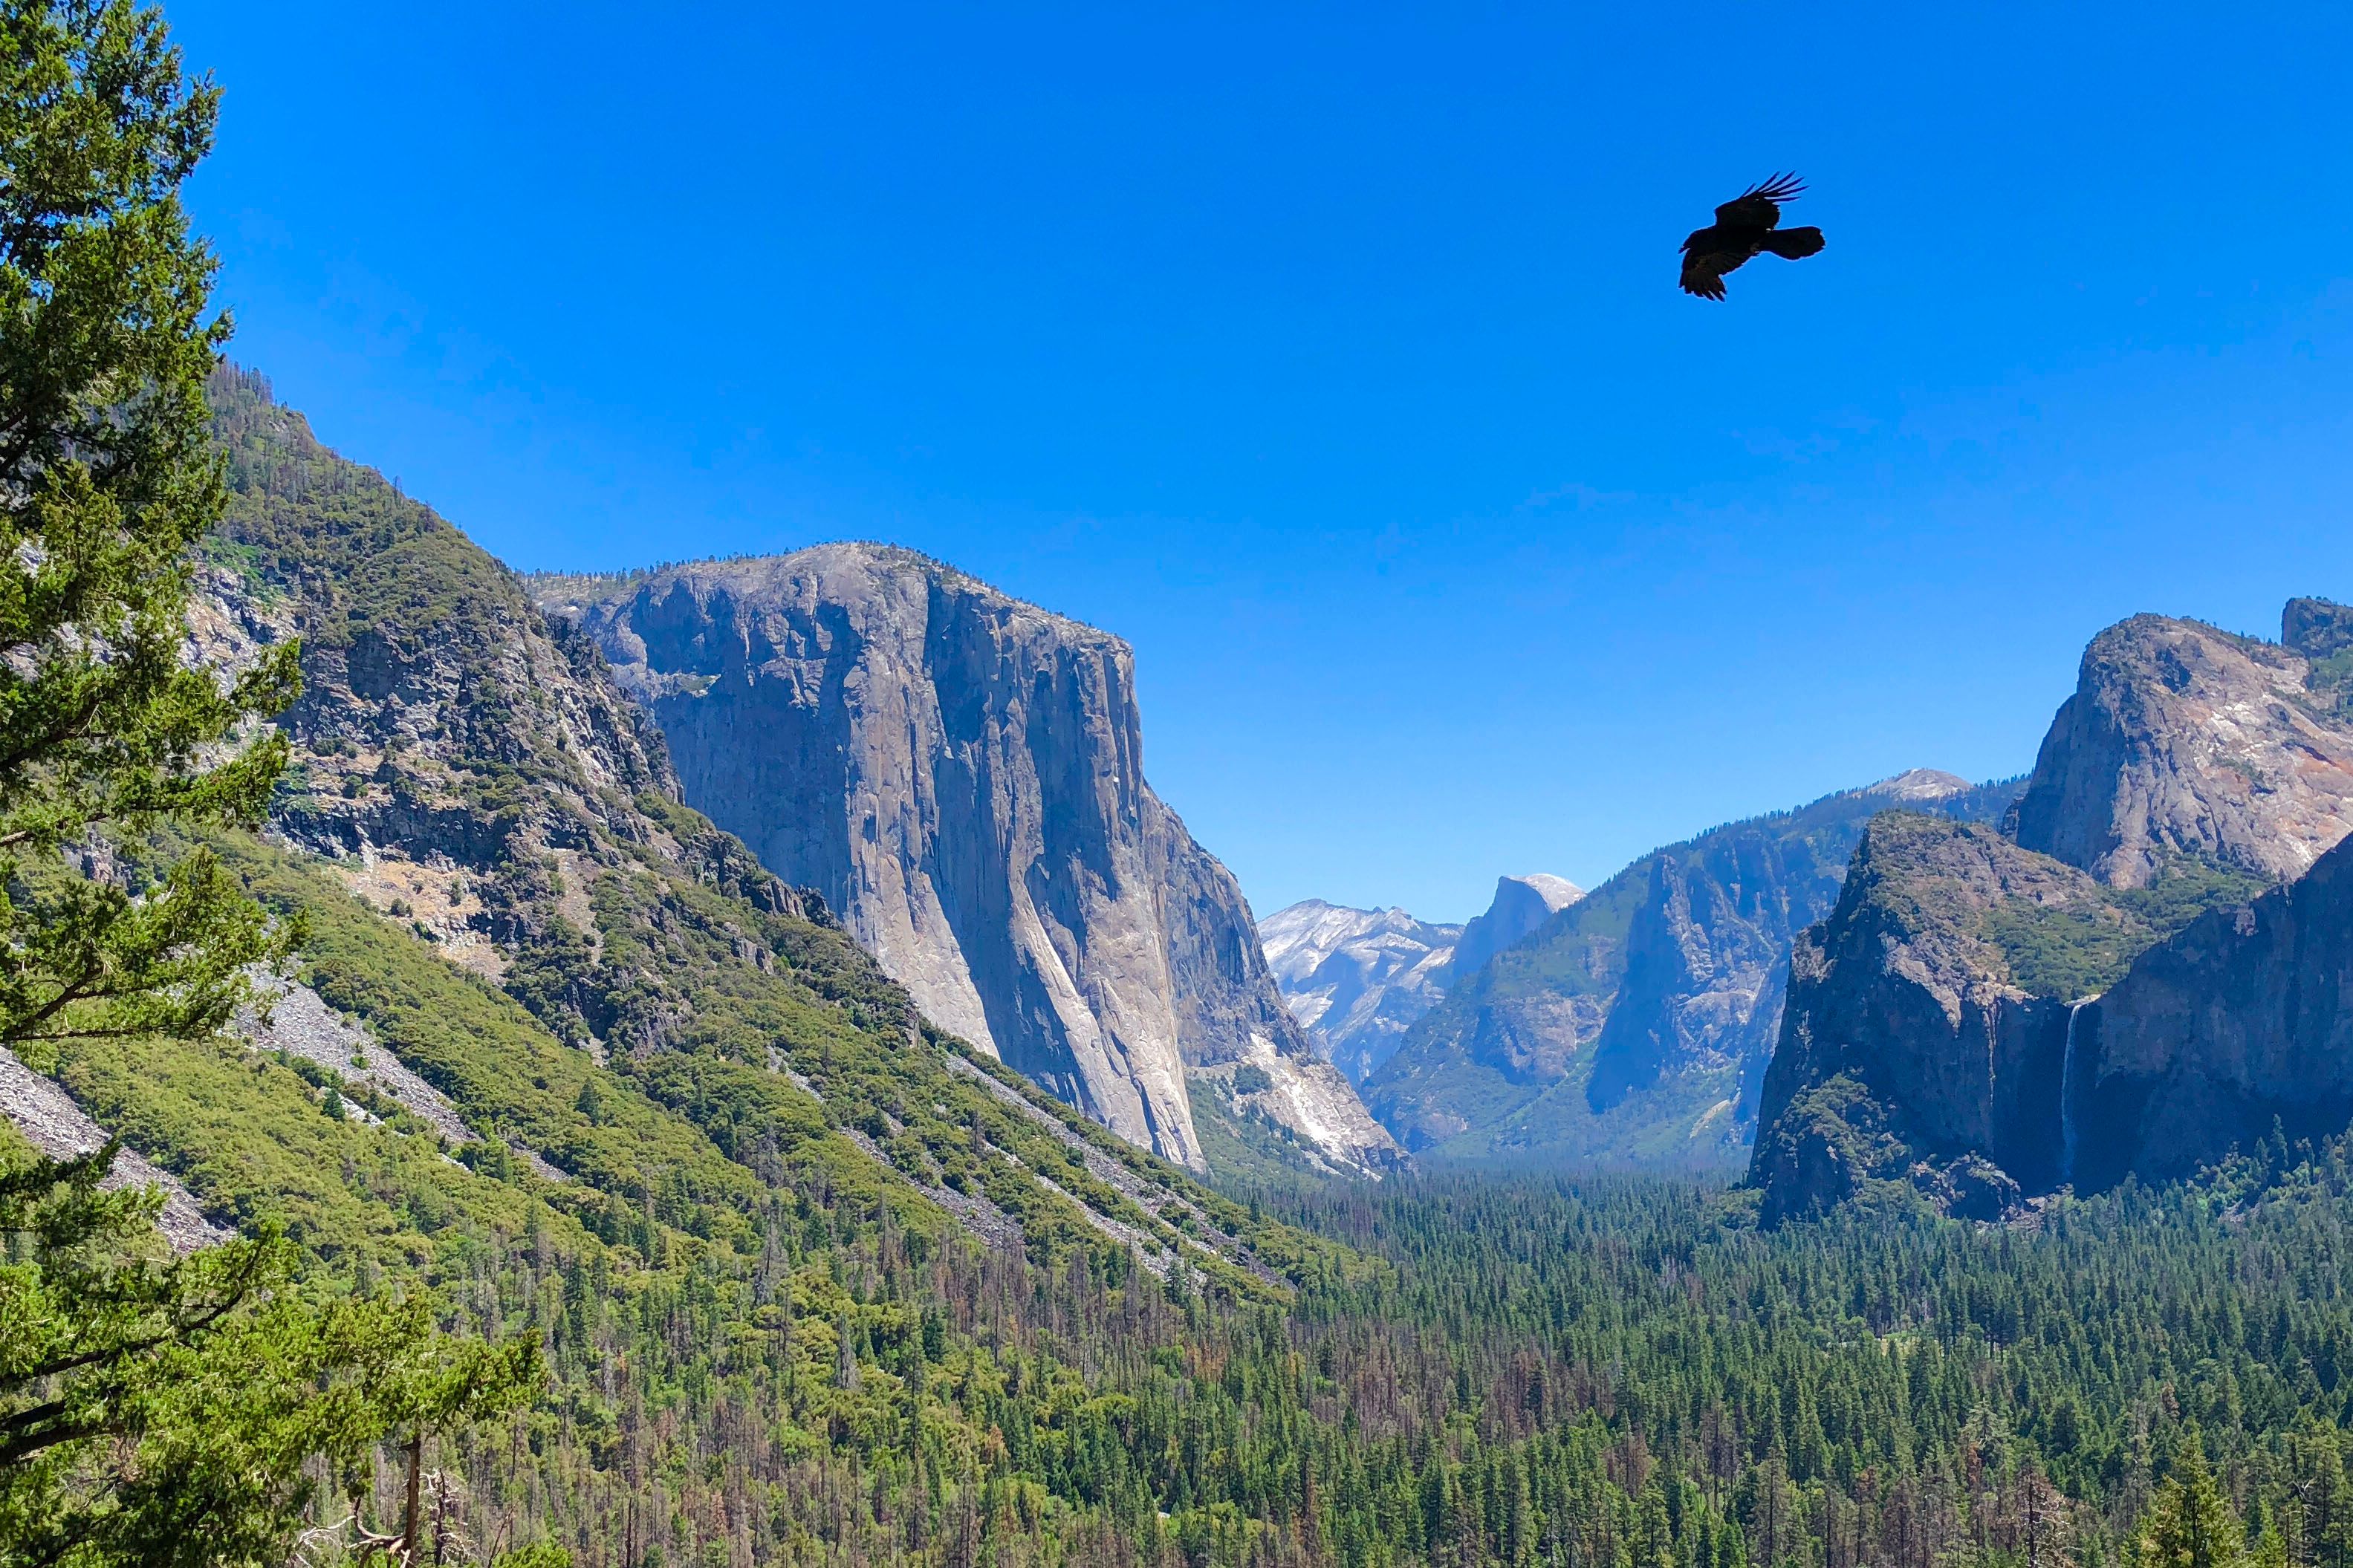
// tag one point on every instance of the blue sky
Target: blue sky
(1333, 357)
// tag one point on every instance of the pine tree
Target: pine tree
(150, 1410)
(108, 482)
(155, 1412)
(2189, 1522)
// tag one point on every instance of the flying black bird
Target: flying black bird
(1744, 226)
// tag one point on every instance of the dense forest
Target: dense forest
(1619, 1374)
(711, 1255)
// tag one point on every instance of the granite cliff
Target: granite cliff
(2185, 739)
(538, 996)
(1519, 909)
(2239, 1023)
(960, 775)
(1909, 1050)
(1634, 1025)
(2138, 974)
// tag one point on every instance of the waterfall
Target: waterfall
(2067, 1101)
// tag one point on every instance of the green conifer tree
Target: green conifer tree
(2190, 1523)
(151, 1410)
(108, 482)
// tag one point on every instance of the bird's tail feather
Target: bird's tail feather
(1795, 244)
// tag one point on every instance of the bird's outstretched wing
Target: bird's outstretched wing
(1759, 206)
(1704, 267)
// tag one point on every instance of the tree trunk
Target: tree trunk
(409, 1513)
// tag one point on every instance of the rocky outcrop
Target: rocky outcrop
(2184, 741)
(2110, 989)
(960, 774)
(1520, 908)
(2319, 629)
(1909, 1051)
(50, 1119)
(1633, 1028)
(1356, 979)
(2241, 1022)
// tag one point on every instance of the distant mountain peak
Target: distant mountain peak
(1355, 979)
(1919, 783)
(1307, 910)
(1558, 892)
(1520, 908)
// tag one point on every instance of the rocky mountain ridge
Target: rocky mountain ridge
(1633, 1027)
(1355, 979)
(1358, 979)
(537, 994)
(960, 775)
(2144, 967)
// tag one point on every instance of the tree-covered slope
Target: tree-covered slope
(676, 1125)
(467, 778)
(704, 1162)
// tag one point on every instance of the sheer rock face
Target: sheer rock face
(2242, 1020)
(1908, 1054)
(2184, 740)
(1356, 979)
(1520, 908)
(1632, 1026)
(960, 774)
(2190, 768)
(1906, 1051)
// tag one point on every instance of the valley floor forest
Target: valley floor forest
(615, 1210)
